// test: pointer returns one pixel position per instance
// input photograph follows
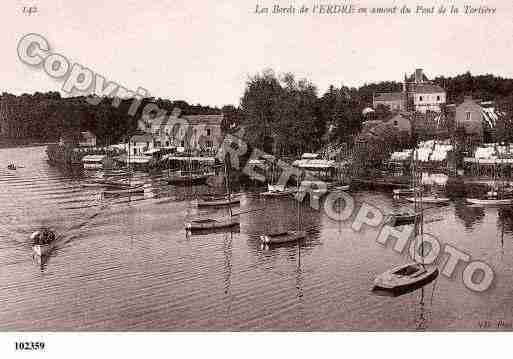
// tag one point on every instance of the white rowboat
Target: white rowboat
(283, 237)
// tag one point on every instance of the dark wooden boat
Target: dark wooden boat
(211, 223)
(404, 278)
(401, 219)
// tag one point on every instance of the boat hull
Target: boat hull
(284, 193)
(401, 220)
(432, 200)
(123, 192)
(391, 282)
(205, 224)
(490, 202)
(285, 237)
(218, 202)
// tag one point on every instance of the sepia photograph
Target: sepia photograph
(271, 167)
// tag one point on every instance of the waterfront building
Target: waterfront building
(191, 132)
(477, 119)
(419, 94)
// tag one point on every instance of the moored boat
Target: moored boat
(405, 277)
(278, 191)
(211, 201)
(282, 237)
(430, 199)
(490, 201)
(186, 178)
(122, 192)
(401, 219)
(404, 191)
(211, 223)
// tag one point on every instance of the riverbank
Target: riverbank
(21, 142)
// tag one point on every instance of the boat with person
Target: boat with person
(11, 166)
(43, 241)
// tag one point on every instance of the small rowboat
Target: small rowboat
(285, 192)
(404, 191)
(401, 219)
(11, 167)
(283, 237)
(218, 201)
(490, 202)
(211, 223)
(430, 199)
(122, 192)
(405, 278)
(183, 178)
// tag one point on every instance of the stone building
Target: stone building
(418, 95)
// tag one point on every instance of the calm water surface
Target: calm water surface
(130, 265)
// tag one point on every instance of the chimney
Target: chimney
(418, 76)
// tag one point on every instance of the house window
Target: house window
(468, 115)
(420, 98)
(395, 122)
(208, 131)
(438, 98)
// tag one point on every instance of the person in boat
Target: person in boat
(44, 236)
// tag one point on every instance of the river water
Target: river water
(129, 265)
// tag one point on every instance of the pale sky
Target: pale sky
(204, 51)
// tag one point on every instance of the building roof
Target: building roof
(428, 88)
(389, 96)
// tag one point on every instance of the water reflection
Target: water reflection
(468, 214)
(131, 266)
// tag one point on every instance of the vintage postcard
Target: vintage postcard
(255, 166)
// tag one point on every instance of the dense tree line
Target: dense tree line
(280, 113)
(279, 109)
(46, 116)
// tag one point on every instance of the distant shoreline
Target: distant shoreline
(12, 143)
